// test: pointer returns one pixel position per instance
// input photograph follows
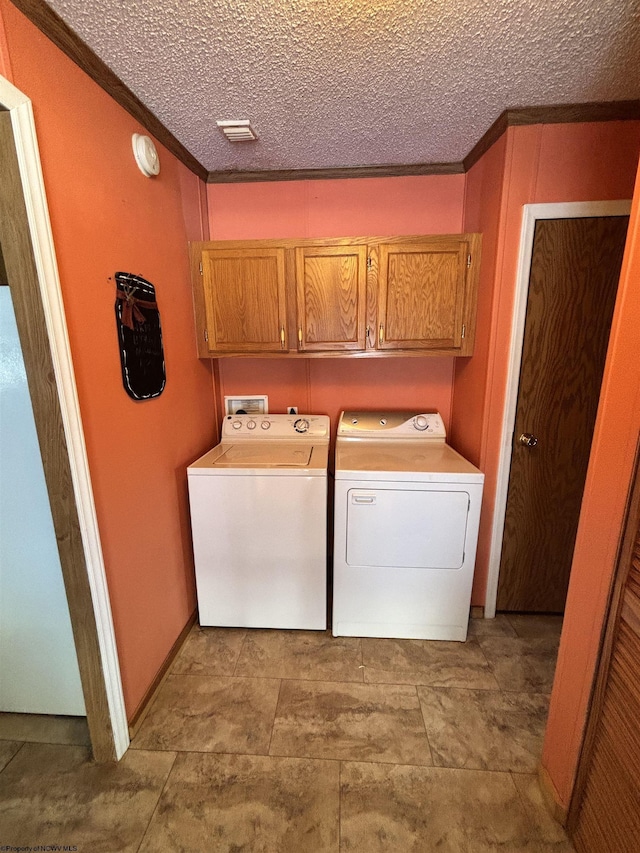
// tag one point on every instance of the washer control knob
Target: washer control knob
(251, 424)
(265, 424)
(421, 422)
(237, 424)
(301, 425)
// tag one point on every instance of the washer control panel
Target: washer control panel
(280, 427)
(392, 425)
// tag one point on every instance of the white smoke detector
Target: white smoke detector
(238, 130)
(146, 155)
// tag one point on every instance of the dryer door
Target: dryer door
(409, 527)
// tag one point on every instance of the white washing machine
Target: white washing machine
(407, 510)
(259, 523)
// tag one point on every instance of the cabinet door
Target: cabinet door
(244, 299)
(421, 295)
(331, 286)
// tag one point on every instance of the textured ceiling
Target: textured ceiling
(343, 83)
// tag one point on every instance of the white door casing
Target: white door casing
(531, 214)
(22, 121)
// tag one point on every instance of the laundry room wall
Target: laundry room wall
(542, 164)
(593, 161)
(5, 65)
(107, 216)
(615, 443)
(484, 195)
(339, 208)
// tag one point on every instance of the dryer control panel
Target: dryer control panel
(392, 425)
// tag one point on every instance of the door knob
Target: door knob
(528, 439)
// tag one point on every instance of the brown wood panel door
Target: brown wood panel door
(421, 290)
(245, 299)
(605, 813)
(331, 283)
(572, 289)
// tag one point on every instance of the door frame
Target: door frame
(114, 743)
(530, 216)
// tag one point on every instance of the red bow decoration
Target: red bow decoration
(131, 308)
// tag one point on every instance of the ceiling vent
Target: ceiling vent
(238, 130)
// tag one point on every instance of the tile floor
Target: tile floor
(278, 741)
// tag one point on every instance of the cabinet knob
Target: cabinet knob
(282, 338)
(381, 334)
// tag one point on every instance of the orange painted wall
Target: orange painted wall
(472, 379)
(542, 164)
(483, 199)
(5, 64)
(107, 216)
(609, 476)
(339, 208)
(326, 386)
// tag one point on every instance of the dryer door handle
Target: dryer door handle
(363, 499)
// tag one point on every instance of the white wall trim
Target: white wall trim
(47, 269)
(531, 214)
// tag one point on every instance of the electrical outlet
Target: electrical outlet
(292, 410)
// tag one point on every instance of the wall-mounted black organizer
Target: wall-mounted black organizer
(139, 336)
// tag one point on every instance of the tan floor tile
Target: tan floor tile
(8, 749)
(247, 804)
(288, 800)
(427, 662)
(211, 714)
(484, 730)
(309, 655)
(533, 626)
(499, 626)
(401, 809)
(209, 651)
(522, 664)
(547, 828)
(56, 795)
(361, 722)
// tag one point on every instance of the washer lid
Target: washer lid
(276, 455)
(264, 458)
(402, 461)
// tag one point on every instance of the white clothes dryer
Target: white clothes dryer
(259, 523)
(407, 511)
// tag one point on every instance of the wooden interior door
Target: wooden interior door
(245, 299)
(605, 812)
(572, 289)
(331, 289)
(421, 294)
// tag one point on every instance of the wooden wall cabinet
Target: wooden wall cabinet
(243, 306)
(371, 296)
(422, 294)
(331, 298)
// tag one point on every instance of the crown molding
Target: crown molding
(55, 29)
(72, 45)
(553, 114)
(230, 177)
